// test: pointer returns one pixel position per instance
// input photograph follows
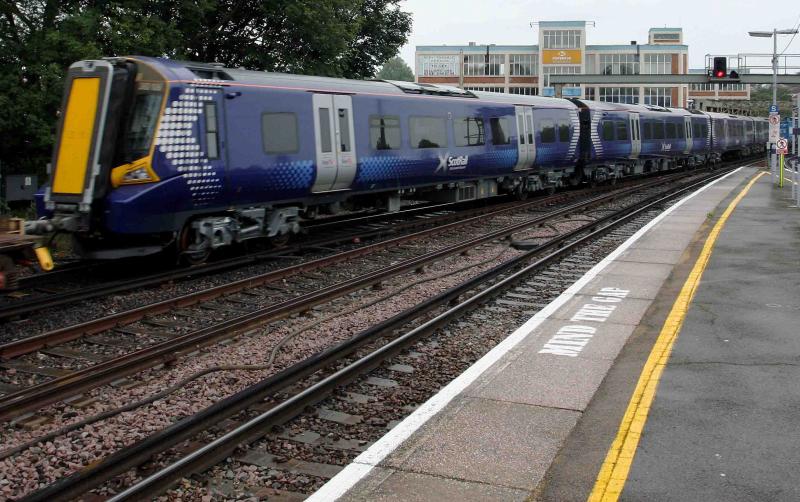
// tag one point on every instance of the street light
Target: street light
(774, 35)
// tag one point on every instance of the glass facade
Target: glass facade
(523, 64)
(661, 96)
(558, 70)
(526, 91)
(619, 64)
(628, 95)
(657, 64)
(476, 64)
(561, 39)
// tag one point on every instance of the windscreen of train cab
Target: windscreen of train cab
(148, 97)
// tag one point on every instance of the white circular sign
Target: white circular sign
(774, 119)
(783, 144)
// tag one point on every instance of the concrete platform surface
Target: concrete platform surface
(724, 423)
(496, 431)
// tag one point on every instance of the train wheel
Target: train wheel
(190, 257)
(280, 241)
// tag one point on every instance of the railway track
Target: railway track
(168, 325)
(486, 284)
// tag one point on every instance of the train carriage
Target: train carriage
(155, 154)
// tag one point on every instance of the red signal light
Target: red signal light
(719, 74)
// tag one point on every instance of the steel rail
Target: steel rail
(220, 448)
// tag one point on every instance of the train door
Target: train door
(334, 139)
(522, 139)
(636, 137)
(687, 132)
(531, 136)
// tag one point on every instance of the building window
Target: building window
(627, 95)
(427, 132)
(485, 88)
(619, 64)
(525, 91)
(468, 131)
(662, 38)
(701, 87)
(659, 64)
(660, 96)
(558, 70)
(523, 64)
(731, 87)
(279, 133)
(384, 132)
(561, 39)
(476, 64)
(590, 93)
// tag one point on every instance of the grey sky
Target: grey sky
(456, 22)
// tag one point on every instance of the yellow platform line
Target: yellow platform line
(618, 461)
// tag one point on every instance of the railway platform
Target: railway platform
(667, 372)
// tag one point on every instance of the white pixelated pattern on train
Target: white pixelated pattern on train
(573, 142)
(595, 135)
(178, 142)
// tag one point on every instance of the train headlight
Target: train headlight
(134, 173)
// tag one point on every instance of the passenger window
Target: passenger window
(212, 140)
(428, 132)
(500, 129)
(658, 130)
(279, 133)
(608, 130)
(468, 131)
(548, 131)
(648, 130)
(563, 132)
(622, 130)
(521, 129)
(344, 129)
(325, 130)
(384, 132)
(672, 131)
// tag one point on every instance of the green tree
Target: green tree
(396, 69)
(39, 39)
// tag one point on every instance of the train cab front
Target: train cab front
(104, 142)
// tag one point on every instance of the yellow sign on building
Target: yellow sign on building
(561, 56)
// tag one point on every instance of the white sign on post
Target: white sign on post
(774, 128)
(783, 146)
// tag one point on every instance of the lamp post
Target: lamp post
(774, 34)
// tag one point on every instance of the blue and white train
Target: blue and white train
(154, 153)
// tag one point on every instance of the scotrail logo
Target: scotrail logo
(666, 147)
(448, 163)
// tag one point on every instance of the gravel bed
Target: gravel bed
(436, 361)
(44, 463)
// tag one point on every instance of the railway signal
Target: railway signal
(719, 71)
(720, 67)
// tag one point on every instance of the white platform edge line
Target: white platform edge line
(366, 461)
